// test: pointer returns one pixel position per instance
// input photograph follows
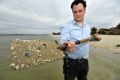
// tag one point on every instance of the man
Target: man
(76, 35)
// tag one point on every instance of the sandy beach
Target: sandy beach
(108, 42)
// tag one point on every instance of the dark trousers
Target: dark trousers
(73, 68)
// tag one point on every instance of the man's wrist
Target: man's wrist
(77, 42)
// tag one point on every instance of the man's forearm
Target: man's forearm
(95, 37)
(82, 40)
(85, 40)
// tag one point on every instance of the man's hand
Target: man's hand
(95, 37)
(70, 45)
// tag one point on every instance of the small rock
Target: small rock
(118, 45)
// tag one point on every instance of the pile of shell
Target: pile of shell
(27, 53)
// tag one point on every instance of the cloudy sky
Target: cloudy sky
(46, 16)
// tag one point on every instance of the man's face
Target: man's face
(78, 12)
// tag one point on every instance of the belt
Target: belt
(77, 60)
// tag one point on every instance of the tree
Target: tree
(118, 26)
(93, 30)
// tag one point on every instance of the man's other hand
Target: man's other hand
(95, 37)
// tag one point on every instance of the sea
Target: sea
(48, 71)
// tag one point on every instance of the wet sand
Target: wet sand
(104, 64)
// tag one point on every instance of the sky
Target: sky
(46, 16)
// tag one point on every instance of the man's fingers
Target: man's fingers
(70, 45)
(97, 37)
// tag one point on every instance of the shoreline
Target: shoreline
(110, 49)
(100, 60)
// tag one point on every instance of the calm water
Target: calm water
(49, 71)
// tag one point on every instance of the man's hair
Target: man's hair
(76, 2)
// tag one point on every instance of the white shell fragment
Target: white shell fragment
(14, 66)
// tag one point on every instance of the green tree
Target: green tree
(93, 30)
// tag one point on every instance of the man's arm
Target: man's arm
(64, 31)
(94, 37)
(70, 45)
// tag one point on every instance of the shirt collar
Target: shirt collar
(74, 22)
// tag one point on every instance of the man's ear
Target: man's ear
(85, 10)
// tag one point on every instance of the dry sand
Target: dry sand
(108, 42)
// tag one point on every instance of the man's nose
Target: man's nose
(78, 13)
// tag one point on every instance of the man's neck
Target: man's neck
(80, 23)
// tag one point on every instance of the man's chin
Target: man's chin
(78, 20)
